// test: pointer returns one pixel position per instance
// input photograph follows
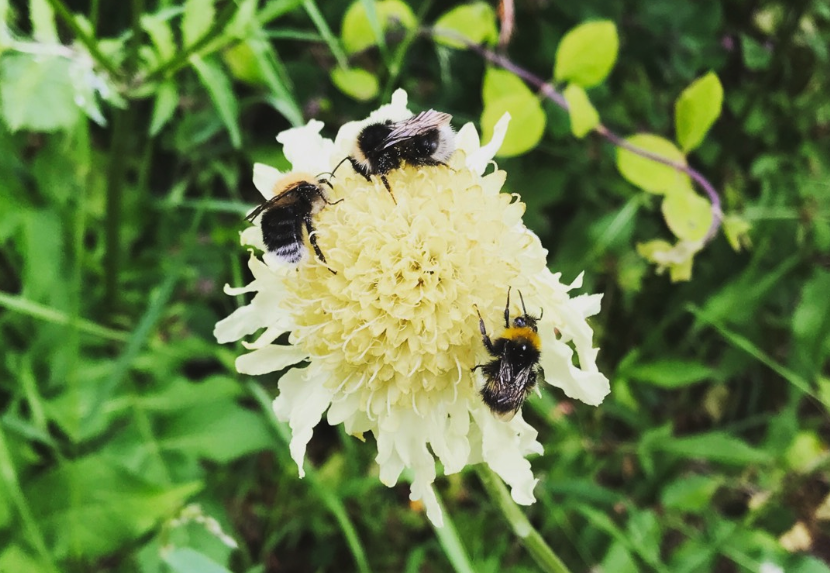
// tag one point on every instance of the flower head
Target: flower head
(391, 339)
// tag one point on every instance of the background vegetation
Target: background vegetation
(129, 443)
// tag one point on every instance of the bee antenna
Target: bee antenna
(339, 164)
(524, 310)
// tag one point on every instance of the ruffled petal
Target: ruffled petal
(270, 358)
(265, 177)
(504, 446)
(479, 159)
(301, 403)
(306, 149)
(557, 360)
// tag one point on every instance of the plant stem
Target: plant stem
(115, 182)
(541, 552)
(86, 39)
(121, 132)
(552, 94)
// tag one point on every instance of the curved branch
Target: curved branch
(552, 94)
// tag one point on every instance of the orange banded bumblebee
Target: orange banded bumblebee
(512, 374)
(297, 198)
(423, 139)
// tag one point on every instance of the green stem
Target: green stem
(121, 133)
(181, 59)
(322, 26)
(11, 484)
(530, 538)
(86, 39)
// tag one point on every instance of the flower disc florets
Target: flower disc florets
(391, 339)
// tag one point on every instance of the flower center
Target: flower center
(397, 322)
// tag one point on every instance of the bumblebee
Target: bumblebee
(423, 139)
(512, 375)
(297, 198)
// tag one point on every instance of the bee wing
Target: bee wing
(284, 198)
(515, 389)
(415, 125)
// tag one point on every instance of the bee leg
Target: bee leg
(388, 188)
(507, 310)
(312, 237)
(486, 339)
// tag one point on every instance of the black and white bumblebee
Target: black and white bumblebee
(421, 140)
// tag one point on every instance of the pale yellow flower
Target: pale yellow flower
(391, 339)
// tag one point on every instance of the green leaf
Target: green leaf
(161, 35)
(90, 507)
(688, 215)
(677, 258)
(13, 558)
(587, 53)
(476, 22)
(692, 494)
(222, 432)
(242, 64)
(756, 57)
(811, 324)
(584, 116)
(670, 373)
(167, 99)
(356, 31)
(648, 174)
(806, 452)
(43, 22)
(277, 80)
(737, 230)
(714, 446)
(500, 84)
(37, 94)
(527, 123)
(696, 110)
(356, 83)
(187, 560)
(197, 20)
(221, 93)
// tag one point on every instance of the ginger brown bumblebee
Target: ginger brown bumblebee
(297, 198)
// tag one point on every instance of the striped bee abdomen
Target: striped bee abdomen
(282, 232)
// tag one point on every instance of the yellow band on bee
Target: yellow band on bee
(525, 332)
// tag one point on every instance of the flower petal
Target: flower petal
(265, 177)
(478, 160)
(306, 149)
(504, 446)
(301, 403)
(271, 358)
(557, 360)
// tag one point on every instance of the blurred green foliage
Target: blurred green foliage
(129, 443)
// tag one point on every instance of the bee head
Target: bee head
(525, 320)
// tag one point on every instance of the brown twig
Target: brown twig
(552, 94)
